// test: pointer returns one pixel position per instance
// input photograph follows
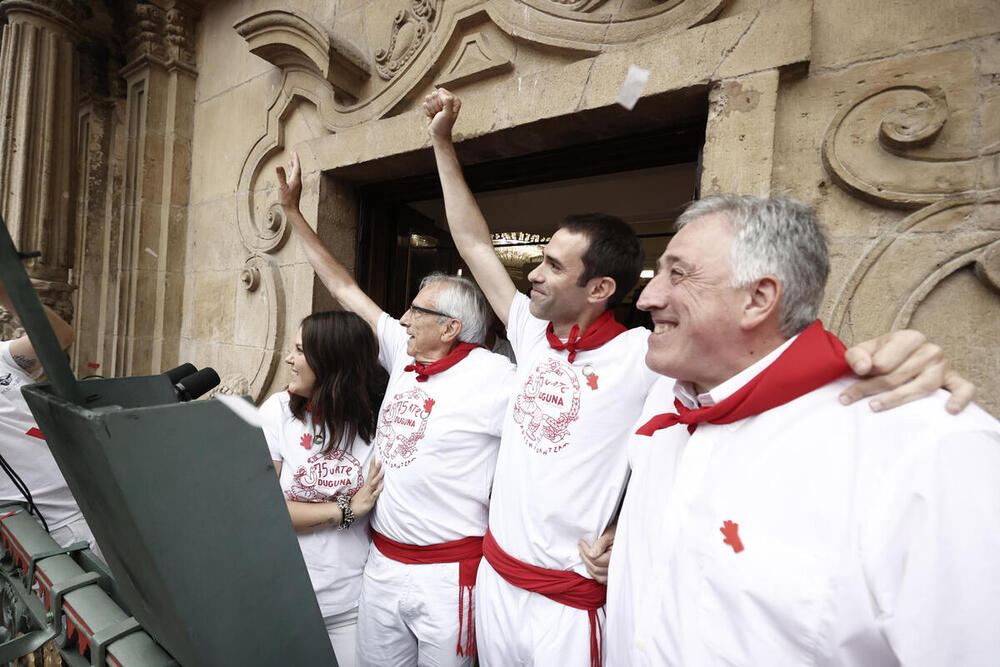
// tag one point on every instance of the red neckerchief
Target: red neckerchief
(813, 360)
(460, 352)
(600, 331)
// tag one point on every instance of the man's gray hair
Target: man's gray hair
(778, 236)
(461, 299)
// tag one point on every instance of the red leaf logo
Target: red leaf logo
(592, 380)
(731, 532)
(428, 405)
(306, 441)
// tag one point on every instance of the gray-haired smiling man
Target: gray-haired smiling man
(765, 523)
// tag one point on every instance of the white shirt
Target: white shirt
(562, 463)
(868, 539)
(334, 558)
(24, 448)
(438, 442)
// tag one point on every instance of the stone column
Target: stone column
(739, 137)
(160, 77)
(38, 94)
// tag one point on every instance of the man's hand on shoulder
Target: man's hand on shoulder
(902, 366)
(442, 109)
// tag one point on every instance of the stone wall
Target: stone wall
(883, 113)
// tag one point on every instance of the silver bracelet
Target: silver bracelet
(347, 514)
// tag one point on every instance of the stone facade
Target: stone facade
(151, 191)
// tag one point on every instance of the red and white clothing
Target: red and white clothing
(812, 533)
(561, 470)
(437, 440)
(334, 558)
(24, 448)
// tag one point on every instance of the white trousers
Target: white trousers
(518, 627)
(343, 631)
(75, 531)
(408, 615)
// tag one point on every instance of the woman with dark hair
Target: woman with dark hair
(320, 433)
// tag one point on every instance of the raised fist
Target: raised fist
(441, 108)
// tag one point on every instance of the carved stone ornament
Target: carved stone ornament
(260, 269)
(410, 30)
(880, 148)
(293, 41)
(907, 262)
(232, 385)
(578, 5)
(10, 326)
(475, 59)
(166, 37)
(594, 25)
(988, 267)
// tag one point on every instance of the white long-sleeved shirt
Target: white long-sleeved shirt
(867, 538)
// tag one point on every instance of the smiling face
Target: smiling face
(696, 313)
(556, 294)
(303, 380)
(426, 343)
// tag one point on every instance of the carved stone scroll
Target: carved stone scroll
(578, 5)
(290, 40)
(880, 148)
(410, 29)
(594, 26)
(261, 281)
(908, 261)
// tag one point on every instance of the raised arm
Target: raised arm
(337, 279)
(21, 348)
(466, 222)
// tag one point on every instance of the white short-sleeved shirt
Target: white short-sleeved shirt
(867, 539)
(334, 558)
(562, 463)
(24, 448)
(438, 442)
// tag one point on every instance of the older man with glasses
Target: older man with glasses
(438, 437)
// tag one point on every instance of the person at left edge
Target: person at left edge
(438, 436)
(320, 436)
(23, 445)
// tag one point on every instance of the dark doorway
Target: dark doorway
(645, 178)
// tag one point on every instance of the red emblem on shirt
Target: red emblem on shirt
(35, 433)
(306, 441)
(324, 475)
(549, 401)
(401, 425)
(731, 531)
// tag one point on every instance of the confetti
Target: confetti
(150, 251)
(635, 83)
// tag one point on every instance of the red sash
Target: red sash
(600, 331)
(562, 586)
(815, 358)
(467, 552)
(460, 352)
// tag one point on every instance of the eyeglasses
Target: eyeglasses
(427, 311)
